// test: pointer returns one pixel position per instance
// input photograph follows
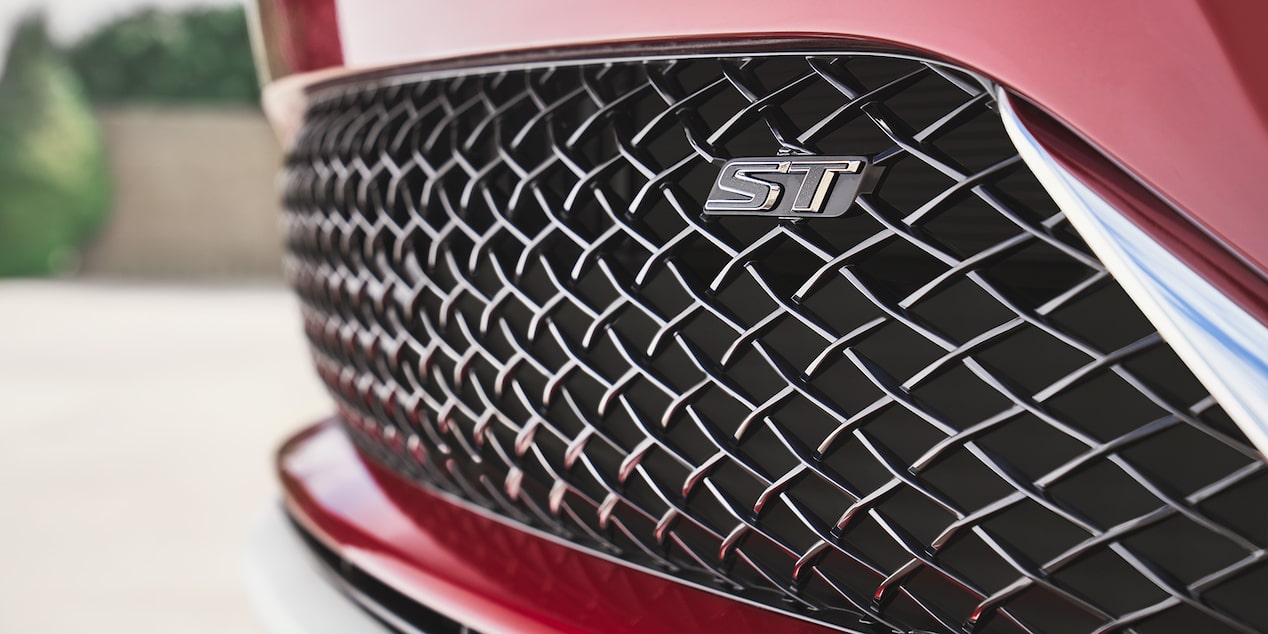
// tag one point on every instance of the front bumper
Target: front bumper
(291, 590)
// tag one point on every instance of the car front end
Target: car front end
(892, 317)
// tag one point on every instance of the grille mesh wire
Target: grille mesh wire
(937, 412)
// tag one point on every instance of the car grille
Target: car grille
(936, 412)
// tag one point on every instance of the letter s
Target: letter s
(756, 194)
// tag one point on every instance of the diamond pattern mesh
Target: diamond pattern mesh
(937, 412)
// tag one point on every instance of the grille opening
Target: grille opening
(940, 402)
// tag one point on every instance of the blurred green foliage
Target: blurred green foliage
(54, 187)
(197, 55)
(54, 184)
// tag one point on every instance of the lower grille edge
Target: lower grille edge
(387, 605)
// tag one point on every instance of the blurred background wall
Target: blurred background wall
(194, 195)
(136, 148)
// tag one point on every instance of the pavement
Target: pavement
(137, 427)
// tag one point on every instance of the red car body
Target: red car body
(1160, 106)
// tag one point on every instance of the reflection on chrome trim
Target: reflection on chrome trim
(1226, 347)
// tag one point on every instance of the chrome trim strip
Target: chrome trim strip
(286, 97)
(292, 591)
(364, 79)
(1224, 346)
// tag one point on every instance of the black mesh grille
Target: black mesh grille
(937, 412)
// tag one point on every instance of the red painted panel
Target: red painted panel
(481, 571)
(299, 35)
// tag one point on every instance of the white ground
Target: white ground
(137, 425)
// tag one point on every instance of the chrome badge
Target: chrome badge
(789, 186)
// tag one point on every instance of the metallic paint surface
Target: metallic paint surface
(480, 571)
(1170, 88)
(294, 36)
